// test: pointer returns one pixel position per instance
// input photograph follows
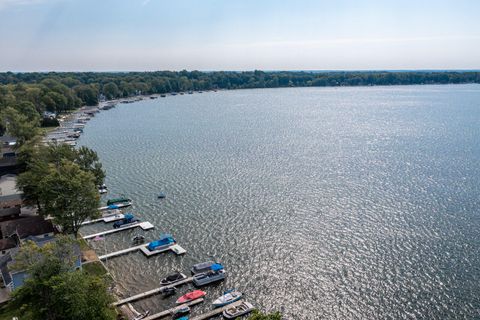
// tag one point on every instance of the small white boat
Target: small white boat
(228, 297)
(237, 311)
(216, 273)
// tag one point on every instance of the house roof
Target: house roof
(7, 243)
(15, 211)
(24, 227)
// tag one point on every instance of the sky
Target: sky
(148, 35)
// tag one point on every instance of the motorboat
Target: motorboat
(180, 311)
(237, 311)
(138, 239)
(193, 295)
(127, 220)
(202, 279)
(202, 267)
(161, 195)
(168, 291)
(172, 278)
(182, 318)
(165, 241)
(117, 201)
(227, 298)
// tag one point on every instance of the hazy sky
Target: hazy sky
(42, 35)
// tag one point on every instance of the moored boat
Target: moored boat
(179, 311)
(117, 201)
(127, 220)
(216, 273)
(168, 291)
(237, 311)
(165, 241)
(228, 297)
(172, 278)
(202, 267)
(193, 295)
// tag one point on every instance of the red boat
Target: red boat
(191, 296)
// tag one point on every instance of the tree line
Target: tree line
(63, 91)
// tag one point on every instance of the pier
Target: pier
(143, 247)
(106, 218)
(144, 225)
(169, 311)
(150, 293)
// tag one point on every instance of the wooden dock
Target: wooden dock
(144, 225)
(216, 311)
(150, 293)
(143, 247)
(106, 218)
(168, 312)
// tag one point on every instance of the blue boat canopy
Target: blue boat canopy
(165, 239)
(112, 206)
(128, 216)
(216, 267)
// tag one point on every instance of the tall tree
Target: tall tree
(69, 195)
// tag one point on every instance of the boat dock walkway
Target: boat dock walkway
(144, 225)
(216, 311)
(150, 293)
(106, 218)
(143, 247)
(168, 312)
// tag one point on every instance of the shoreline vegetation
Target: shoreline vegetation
(35, 99)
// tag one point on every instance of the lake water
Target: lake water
(322, 203)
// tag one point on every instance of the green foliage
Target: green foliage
(257, 315)
(62, 182)
(69, 195)
(19, 125)
(54, 290)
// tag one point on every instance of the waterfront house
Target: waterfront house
(10, 196)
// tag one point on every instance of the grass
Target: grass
(95, 269)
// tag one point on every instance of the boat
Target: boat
(116, 206)
(182, 318)
(202, 267)
(163, 95)
(161, 195)
(138, 239)
(165, 241)
(172, 278)
(117, 201)
(180, 311)
(193, 295)
(127, 220)
(216, 273)
(168, 291)
(237, 311)
(227, 298)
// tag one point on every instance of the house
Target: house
(25, 227)
(10, 196)
(10, 213)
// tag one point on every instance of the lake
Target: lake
(321, 203)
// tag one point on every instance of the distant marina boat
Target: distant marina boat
(196, 294)
(168, 291)
(138, 239)
(228, 297)
(237, 311)
(163, 95)
(180, 310)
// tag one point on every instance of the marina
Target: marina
(217, 311)
(106, 218)
(168, 312)
(144, 225)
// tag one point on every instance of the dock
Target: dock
(143, 247)
(216, 311)
(144, 225)
(150, 293)
(168, 312)
(106, 218)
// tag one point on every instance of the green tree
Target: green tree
(257, 315)
(110, 90)
(19, 126)
(54, 290)
(69, 195)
